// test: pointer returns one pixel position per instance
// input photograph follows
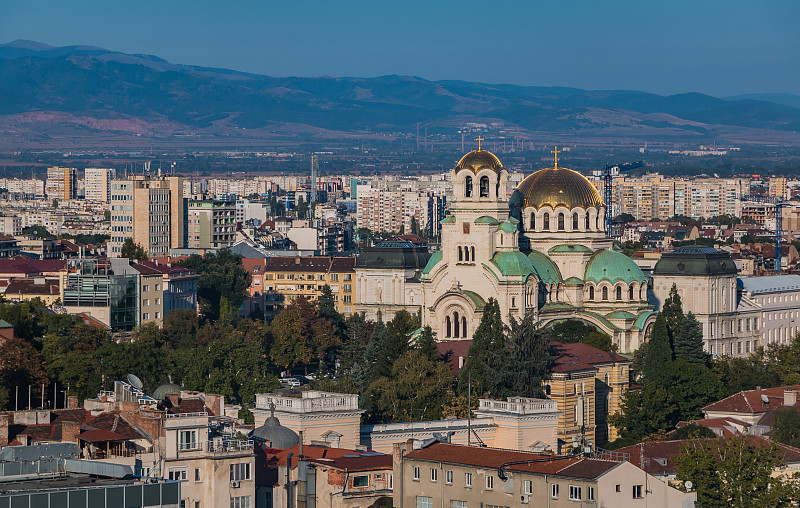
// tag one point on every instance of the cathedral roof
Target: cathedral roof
(558, 186)
(544, 267)
(394, 254)
(486, 219)
(695, 260)
(477, 299)
(612, 266)
(569, 249)
(512, 263)
(478, 160)
(434, 259)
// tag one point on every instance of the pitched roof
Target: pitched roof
(750, 401)
(29, 286)
(167, 269)
(577, 356)
(452, 351)
(568, 466)
(310, 264)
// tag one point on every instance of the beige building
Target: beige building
(149, 210)
(97, 184)
(441, 474)
(62, 183)
(211, 224)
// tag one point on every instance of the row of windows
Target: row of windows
(617, 293)
(484, 187)
(466, 254)
(560, 221)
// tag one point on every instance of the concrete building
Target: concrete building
(98, 184)
(149, 210)
(211, 224)
(382, 209)
(778, 296)
(706, 282)
(441, 474)
(62, 183)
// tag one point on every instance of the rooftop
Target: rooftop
(770, 284)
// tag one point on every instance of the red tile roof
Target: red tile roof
(577, 356)
(29, 286)
(453, 351)
(723, 427)
(95, 436)
(574, 467)
(162, 268)
(750, 401)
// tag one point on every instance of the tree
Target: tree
(577, 330)
(246, 416)
(356, 337)
(658, 353)
(645, 412)
(21, 365)
(672, 310)
(786, 427)
(624, 217)
(692, 387)
(132, 250)
(396, 343)
(107, 215)
(522, 365)
(293, 334)
(688, 341)
(487, 341)
(426, 345)
(38, 232)
(691, 431)
(735, 472)
(414, 227)
(221, 275)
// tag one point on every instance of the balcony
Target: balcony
(519, 405)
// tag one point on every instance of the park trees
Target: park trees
(223, 281)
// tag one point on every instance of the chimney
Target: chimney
(72, 402)
(70, 431)
(789, 397)
(216, 403)
(3, 430)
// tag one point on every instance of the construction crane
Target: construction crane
(608, 174)
(779, 205)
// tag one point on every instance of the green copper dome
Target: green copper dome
(512, 263)
(434, 259)
(486, 219)
(544, 267)
(613, 267)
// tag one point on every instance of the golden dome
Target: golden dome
(558, 187)
(478, 160)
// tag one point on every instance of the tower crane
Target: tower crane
(608, 174)
(779, 205)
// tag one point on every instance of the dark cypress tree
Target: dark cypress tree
(658, 354)
(373, 352)
(487, 341)
(522, 365)
(672, 310)
(688, 342)
(396, 343)
(427, 345)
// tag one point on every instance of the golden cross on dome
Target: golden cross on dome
(479, 139)
(555, 152)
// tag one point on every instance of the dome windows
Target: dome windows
(484, 186)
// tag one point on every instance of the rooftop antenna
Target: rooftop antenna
(135, 381)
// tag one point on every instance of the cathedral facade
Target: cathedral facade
(543, 251)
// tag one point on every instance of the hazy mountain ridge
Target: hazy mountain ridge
(88, 81)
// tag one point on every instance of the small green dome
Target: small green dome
(613, 267)
(434, 259)
(507, 227)
(512, 263)
(544, 267)
(486, 219)
(161, 392)
(569, 248)
(620, 314)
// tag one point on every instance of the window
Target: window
(158, 301)
(424, 502)
(546, 225)
(637, 491)
(416, 473)
(240, 471)
(630, 292)
(188, 440)
(146, 288)
(554, 491)
(533, 220)
(619, 489)
(528, 487)
(484, 186)
(197, 474)
(575, 221)
(489, 482)
(455, 503)
(574, 493)
(146, 301)
(561, 222)
(146, 316)
(590, 493)
(448, 477)
(240, 502)
(591, 292)
(177, 474)
(361, 481)
(619, 293)
(468, 479)
(434, 474)
(605, 293)
(157, 289)
(468, 187)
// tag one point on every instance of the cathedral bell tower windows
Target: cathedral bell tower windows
(575, 221)
(605, 293)
(533, 221)
(619, 293)
(561, 221)
(591, 292)
(484, 186)
(468, 187)
(546, 225)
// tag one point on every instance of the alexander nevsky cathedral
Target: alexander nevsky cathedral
(545, 250)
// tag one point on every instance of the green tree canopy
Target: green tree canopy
(488, 342)
(688, 341)
(658, 353)
(221, 275)
(786, 427)
(132, 250)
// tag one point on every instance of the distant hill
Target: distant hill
(48, 92)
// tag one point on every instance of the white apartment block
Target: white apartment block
(32, 186)
(381, 209)
(97, 184)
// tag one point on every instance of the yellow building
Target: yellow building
(588, 384)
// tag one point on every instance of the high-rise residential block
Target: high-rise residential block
(211, 224)
(61, 183)
(97, 183)
(149, 210)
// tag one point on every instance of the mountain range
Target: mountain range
(48, 94)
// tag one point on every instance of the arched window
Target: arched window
(630, 292)
(464, 326)
(575, 221)
(607, 379)
(513, 302)
(497, 188)
(591, 292)
(561, 222)
(472, 253)
(605, 293)
(448, 327)
(597, 222)
(484, 186)
(533, 221)
(619, 292)
(460, 254)
(501, 238)
(456, 325)
(547, 389)
(587, 221)
(468, 187)
(546, 222)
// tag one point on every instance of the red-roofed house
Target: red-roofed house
(462, 476)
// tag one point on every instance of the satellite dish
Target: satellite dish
(764, 399)
(688, 485)
(135, 381)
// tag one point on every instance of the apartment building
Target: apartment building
(279, 280)
(30, 187)
(211, 224)
(97, 184)
(779, 187)
(441, 474)
(382, 209)
(62, 183)
(150, 210)
(779, 298)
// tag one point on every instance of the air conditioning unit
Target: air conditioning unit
(235, 484)
(525, 498)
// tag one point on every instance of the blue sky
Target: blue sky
(715, 47)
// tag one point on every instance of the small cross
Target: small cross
(479, 139)
(555, 152)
